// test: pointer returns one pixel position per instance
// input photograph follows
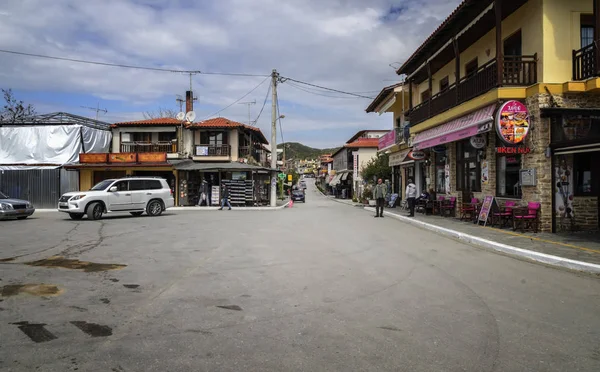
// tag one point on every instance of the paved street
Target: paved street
(319, 287)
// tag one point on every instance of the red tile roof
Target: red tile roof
(156, 121)
(364, 142)
(226, 123)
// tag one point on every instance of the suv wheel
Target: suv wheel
(154, 208)
(76, 216)
(94, 211)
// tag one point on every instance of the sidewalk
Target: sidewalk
(579, 252)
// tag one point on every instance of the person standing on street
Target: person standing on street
(411, 195)
(379, 194)
(225, 197)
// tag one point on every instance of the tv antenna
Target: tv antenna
(249, 103)
(97, 109)
(180, 100)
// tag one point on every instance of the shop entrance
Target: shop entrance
(468, 170)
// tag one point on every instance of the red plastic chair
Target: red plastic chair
(505, 215)
(469, 209)
(527, 217)
(449, 207)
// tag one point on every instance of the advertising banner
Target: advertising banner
(512, 122)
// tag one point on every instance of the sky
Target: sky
(346, 45)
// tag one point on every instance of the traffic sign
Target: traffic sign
(289, 177)
(281, 176)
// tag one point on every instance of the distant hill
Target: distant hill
(295, 150)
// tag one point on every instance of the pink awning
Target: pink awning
(479, 121)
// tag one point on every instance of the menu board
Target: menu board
(489, 205)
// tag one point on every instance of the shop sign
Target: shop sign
(478, 141)
(417, 155)
(397, 157)
(355, 165)
(152, 157)
(513, 150)
(93, 158)
(124, 157)
(387, 140)
(512, 122)
(489, 204)
(439, 149)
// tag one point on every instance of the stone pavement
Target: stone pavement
(583, 247)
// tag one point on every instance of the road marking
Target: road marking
(544, 240)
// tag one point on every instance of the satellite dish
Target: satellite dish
(190, 116)
(180, 116)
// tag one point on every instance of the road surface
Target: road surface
(319, 287)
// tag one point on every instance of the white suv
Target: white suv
(132, 194)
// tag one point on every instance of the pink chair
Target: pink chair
(449, 207)
(505, 215)
(527, 217)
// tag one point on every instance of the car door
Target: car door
(139, 191)
(120, 199)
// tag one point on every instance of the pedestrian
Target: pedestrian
(411, 195)
(225, 197)
(379, 193)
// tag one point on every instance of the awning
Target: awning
(577, 149)
(477, 122)
(189, 165)
(345, 176)
(397, 158)
(335, 180)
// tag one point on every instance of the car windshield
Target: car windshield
(3, 196)
(102, 185)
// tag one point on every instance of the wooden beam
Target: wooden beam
(430, 87)
(457, 66)
(499, 53)
(597, 35)
(410, 95)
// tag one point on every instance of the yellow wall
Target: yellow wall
(86, 179)
(528, 18)
(562, 35)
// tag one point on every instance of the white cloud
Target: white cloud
(343, 44)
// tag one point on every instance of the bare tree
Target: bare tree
(160, 113)
(15, 111)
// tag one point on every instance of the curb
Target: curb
(504, 248)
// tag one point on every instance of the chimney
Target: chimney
(189, 101)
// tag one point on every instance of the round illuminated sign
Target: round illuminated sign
(478, 141)
(417, 155)
(512, 122)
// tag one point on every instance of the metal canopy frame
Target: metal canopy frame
(61, 118)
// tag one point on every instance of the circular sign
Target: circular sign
(478, 141)
(439, 149)
(417, 155)
(512, 122)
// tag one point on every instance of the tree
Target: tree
(160, 113)
(377, 167)
(15, 111)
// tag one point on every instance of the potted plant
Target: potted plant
(368, 195)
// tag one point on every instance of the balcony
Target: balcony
(584, 63)
(162, 146)
(212, 150)
(518, 71)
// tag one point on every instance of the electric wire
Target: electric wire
(239, 99)
(315, 93)
(284, 79)
(263, 106)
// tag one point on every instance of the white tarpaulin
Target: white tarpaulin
(50, 144)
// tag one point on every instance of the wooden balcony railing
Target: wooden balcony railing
(212, 150)
(518, 71)
(244, 151)
(162, 146)
(584, 63)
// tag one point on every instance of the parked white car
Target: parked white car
(135, 195)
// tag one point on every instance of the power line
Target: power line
(126, 66)
(263, 106)
(239, 99)
(317, 94)
(284, 79)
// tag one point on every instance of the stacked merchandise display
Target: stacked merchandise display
(214, 197)
(240, 191)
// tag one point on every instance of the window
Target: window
(166, 136)
(141, 137)
(121, 185)
(513, 45)
(444, 84)
(583, 174)
(468, 167)
(587, 29)
(425, 95)
(213, 138)
(440, 173)
(152, 185)
(471, 68)
(507, 176)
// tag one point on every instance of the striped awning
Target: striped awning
(479, 121)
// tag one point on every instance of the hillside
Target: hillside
(295, 150)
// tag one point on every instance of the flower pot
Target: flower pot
(372, 202)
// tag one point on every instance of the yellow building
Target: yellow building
(503, 101)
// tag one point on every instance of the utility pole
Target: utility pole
(249, 103)
(274, 76)
(97, 109)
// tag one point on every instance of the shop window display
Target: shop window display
(507, 176)
(584, 174)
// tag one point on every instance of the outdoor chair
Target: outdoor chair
(437, 205)
(527, 217)
(421, 205)
(505, 215)
(469, 209)
(449, 207)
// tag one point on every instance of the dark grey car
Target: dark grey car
(14, 208)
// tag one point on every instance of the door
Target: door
(120, 199)
(138, 192)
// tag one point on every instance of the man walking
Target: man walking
(379, 194)
(411, 195)
(225, 197)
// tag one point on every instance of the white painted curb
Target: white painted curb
(488, 244)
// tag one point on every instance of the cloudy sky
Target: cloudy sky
(342, 44)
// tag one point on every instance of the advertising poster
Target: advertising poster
(486, 208)
(563, 174)
(447, 178)
(485, 173)
(512, 122)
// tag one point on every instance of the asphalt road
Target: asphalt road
(319, 287)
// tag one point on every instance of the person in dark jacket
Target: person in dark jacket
(224, 197)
